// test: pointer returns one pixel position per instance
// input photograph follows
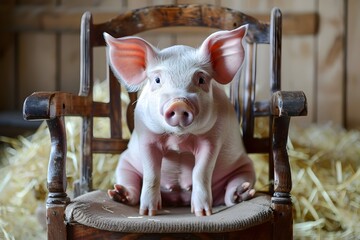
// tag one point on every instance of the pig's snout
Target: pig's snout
(179, 113)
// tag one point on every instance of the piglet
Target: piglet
(186, 147)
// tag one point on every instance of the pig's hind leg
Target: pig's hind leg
(244, 192)
(128, 184)
(238, 190)
(240, 186)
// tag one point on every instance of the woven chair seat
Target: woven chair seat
(97, 210)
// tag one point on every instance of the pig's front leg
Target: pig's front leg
(150, 200)
(201, 198)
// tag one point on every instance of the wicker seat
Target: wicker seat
(97, 210)
(92, 215)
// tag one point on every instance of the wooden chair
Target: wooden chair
(92, 214)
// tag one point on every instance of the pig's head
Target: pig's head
(179, 81)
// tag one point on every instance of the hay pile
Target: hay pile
(325, 162)
(324, 159)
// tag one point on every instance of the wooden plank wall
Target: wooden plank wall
(39, 48)
(352, 64)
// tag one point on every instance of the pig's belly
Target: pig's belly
(176, 180)
(178, 197)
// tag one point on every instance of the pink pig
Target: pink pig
(186, 147)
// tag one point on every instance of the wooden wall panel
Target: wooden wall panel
(192, 37)
(215, 2)
(97, 3)
(7, 72)
(100, 65)
(353, 65)
(7, 58)
(159, 38)
(298, 71)
(144, 3)
(330, 63)
(248, 6)
(36, 2)
(69, 63)
(37, 63)
(298, 58)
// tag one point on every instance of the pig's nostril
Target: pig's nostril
(186, 114)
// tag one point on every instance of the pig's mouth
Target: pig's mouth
(179, 113)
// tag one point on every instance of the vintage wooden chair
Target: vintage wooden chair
(92, 215)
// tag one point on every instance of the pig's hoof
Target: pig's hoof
(202, 212)
(243, 193)
(151, 212)
(119, 194)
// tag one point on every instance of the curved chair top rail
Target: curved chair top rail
(154, 17)
(132, 22)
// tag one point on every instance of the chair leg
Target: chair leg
(283, 222)
(56, 225)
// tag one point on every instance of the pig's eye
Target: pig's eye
(201, 80)
(157, 80)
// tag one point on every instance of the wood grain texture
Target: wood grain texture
(8, 71)
(37, 63)
(262, 231)
(299, 59)
(53, 211)
(67, 20)
(330, 63)
(69, 62)
(353, 65)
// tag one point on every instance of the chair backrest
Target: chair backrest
(137, 21)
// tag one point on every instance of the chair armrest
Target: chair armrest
(49, 105)
(289, 103)
(52, 107)
(284, 105)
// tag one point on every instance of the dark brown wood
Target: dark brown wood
(57, 228)
(106, 145)
(132, 22)
(53, 106)
(282, 172)
(262, 231)
(115, 107)
(130, 111)
(56, 179)
(275, 50)
(275, 76)
(60, 19)
(84, 183)
(249, 95)
(49, 105)
(289, 103)
(86, 55)
(283, 221)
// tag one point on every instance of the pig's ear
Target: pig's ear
(226, 53)
(128, 58)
